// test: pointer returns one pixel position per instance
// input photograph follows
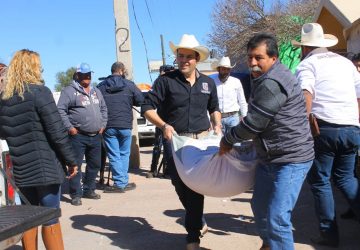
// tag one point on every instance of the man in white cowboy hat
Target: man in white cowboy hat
(185, 97)
(230, 93)
(331, 88)
(276, 121)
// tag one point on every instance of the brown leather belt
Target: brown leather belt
(224, 115)
(194, 135)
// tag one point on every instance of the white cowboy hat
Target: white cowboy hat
(224, 62)
(190, 42)
(312, 34)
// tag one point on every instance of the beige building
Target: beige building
(342, 19)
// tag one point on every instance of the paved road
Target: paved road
(151, 218)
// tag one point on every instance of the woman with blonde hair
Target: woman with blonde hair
(38, 142)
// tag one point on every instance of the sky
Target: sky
(68, 32)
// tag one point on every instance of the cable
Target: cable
(142, 36)
(147, 7)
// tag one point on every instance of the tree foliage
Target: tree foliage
(234, 22)
(64, 79)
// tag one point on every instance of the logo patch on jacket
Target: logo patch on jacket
(205, 88)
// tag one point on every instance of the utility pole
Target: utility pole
(162, 49)
(123, 54)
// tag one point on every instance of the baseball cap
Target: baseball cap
(83, 68)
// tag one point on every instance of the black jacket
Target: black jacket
(120, 95)
(38, 141)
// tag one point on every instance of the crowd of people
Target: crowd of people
(303, 126)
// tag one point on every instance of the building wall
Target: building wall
(353, 42)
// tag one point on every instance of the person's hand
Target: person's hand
(73, 131)
(101, 131)
(224, 148)
(217, 129)
(72, 170)
(168, 132)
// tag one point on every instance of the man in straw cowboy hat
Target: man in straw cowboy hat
(185, 96)
(276, 121)
(331, 87)
(230, 93)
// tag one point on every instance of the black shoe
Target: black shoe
(330, 242)
(113, 189)
(91, 195)
(151, 174)
(130, 186)
(349, 214)
(76, 201)
(116, 189)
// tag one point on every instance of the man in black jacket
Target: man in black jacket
(120, 95)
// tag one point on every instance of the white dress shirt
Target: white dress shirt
(231, 96)
(334, 84)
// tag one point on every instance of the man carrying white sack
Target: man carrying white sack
(185, 97)
(277, 122)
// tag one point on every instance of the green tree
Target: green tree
(64, 79)
(234, 22)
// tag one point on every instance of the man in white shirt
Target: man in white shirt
(231, 95)
(331, 88)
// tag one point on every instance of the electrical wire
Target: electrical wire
(142, 36)
(147, 7)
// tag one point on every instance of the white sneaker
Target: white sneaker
(193, 246)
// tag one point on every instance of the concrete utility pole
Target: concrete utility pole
(162, 49)
(123, 54)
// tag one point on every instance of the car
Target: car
(146, 130)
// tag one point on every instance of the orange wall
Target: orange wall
(332, 26)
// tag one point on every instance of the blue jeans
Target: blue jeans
(276, 191)
(335, 155)
(118, 144)
(45, 196)
(229, 122)
(90, 146)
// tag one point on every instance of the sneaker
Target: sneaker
(76, 201)
(91, 195)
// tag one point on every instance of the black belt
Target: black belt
(224, 115)
(323, 123)
(87, 133)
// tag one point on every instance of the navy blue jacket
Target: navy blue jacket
(120, 95)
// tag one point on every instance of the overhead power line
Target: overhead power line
(142, 36)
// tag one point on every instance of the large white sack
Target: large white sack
(202, 169)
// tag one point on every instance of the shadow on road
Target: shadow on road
(133, 233)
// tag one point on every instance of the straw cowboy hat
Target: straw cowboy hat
(312, 34)
(190, 42)
(224, 62)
